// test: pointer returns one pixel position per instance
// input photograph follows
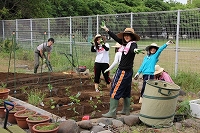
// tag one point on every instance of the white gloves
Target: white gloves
(136, 75)
(137, 51)
(106, 71)
(170, 42)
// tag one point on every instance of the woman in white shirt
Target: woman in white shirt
(101, 61)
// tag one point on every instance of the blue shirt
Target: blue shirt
(149, 62)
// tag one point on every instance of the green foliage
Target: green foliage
(6, 46)
(47, 127)
(188, 81)
(183, 108)
(64, 8)
(75, 99)
(35, 96)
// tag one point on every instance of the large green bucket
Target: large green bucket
(159, 103)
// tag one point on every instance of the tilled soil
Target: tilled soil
(72, 95)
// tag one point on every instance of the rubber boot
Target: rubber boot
(112, 109)
(35, 70)
(126, 107)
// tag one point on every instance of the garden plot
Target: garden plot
(67, 95)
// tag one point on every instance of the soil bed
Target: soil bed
(72, 96)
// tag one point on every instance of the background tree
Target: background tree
(26, 9)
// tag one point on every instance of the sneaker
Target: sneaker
(97, 90)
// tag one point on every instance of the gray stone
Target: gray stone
(131, 120)
(68, 126)
(85, 131)
(96, 129)
(178, 125)
(182, 93)
(106, 131)
(106, 121)
(85, 124)
(117, 123)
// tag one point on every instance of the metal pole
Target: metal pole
(97, 24)
(31, 26)
(3, 29)
(49, 28)
(177, 42)
(70, 32)
(14, 44)
(16, 33)
(131, 24)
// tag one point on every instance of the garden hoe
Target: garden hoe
(47, 62)
(13, 128)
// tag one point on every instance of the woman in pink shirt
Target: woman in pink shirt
(160, 74)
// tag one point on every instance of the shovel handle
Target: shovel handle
(10, 104)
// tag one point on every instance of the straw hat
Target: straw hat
(152, 45)
(99, 36)
(117, 45)
(158, 69)
(128, 31)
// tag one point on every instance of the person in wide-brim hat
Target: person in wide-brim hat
(154, 45)
(129, 31)
(158, 69)
(161, 74)
(99, 36)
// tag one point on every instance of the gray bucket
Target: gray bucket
(159, 103)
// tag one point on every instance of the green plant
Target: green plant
(50, 87)
(73, 109)
(68, 92)
(35, 118)
(74, 99)
(52, 103)
(183, 108)
(49, 126)
(3, 86)
(94, 104)
(35, 96)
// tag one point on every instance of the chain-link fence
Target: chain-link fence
(181, 26)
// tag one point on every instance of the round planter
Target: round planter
(36, 130)
(2, 113)
(21, 117)
(11, 117)
(36, 119)
(4, 93)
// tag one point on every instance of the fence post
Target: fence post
(16, 29)
(70, 30)
(48, 28)
(131, 20)
(31, 26)
(3, 29)
(97, 24)
(177, 41)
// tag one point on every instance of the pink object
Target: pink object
(86, 117)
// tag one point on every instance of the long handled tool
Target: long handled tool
(48, 63)
(6, 104)
(71, 62)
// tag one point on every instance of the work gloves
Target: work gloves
(106, 71)
(103, 26)
(101, 41)
(170, 42)
(136, 76)
(137, 51)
